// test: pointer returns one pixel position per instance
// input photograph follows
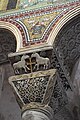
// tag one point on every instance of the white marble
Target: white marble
(34, 115)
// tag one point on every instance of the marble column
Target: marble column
(35, 111)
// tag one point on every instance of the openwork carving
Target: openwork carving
(34, 87)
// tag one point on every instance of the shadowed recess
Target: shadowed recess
(7, 44)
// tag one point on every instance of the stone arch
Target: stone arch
(67, 44)
(15, 31)
(65, 39)
(8, 42)
(67, 16)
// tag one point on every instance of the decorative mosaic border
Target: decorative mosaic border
(16, 17)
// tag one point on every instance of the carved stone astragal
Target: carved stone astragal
(41, 61)
(21, 64)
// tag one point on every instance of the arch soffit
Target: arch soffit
(62, 21)
(15, 31)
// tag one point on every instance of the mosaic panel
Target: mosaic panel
(3, 4)
(36, 4)
(37, 26)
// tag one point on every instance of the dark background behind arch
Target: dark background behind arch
(7, 44)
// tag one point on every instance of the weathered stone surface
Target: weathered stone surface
(65, 54)
(64, 114)
(2, 74)
(2, 117)
(9, 109)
